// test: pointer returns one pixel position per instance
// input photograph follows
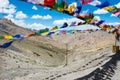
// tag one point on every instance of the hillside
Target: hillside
(32, 47)
(42, 58)
(6, 26)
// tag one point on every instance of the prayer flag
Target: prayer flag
(6, 45)
(105, 4)
(85, 1)
(64, 25)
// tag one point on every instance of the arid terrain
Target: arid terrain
(89, 56)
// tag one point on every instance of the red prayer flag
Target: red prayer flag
(85, 1)
(63, 32)
(29, 35)
(49, 3)
(116, 11)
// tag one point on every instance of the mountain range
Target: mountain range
(62, 57)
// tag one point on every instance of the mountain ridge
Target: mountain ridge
(44, 58)
(9, 27)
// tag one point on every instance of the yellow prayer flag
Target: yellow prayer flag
(44, 34)
(60, 9)
(108, 29)
(71, 7)
(54, 28)
(8, 36)
(110, 8)
(74, 31)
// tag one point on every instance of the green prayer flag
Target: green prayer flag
(1, 37)
(42, 31)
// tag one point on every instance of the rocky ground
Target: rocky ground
(89, 57)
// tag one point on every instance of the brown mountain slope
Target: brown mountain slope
(42, 58)
(31, 48)
(6, 26)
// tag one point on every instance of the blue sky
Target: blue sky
(37, 17)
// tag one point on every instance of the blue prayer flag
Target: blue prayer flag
(6, 45)
(105, 4)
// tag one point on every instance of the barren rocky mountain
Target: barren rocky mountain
(89, 56)
(6, 26)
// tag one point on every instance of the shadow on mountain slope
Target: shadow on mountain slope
(106, 72)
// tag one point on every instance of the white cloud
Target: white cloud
(6, 7)
(36, 16)
(68, 20)
(114, 23)
(59, 22)
(41, 17)
(20, 15)
(100, 11)
(22, 23)
(19, 22)
(8, 10)
(36, 26)
(9, 16)
(95, 2)
(47, 17)
(12, 6)
(118, 5)
(34, 8)
(48, 8)
(84, 27)
(4, 3)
